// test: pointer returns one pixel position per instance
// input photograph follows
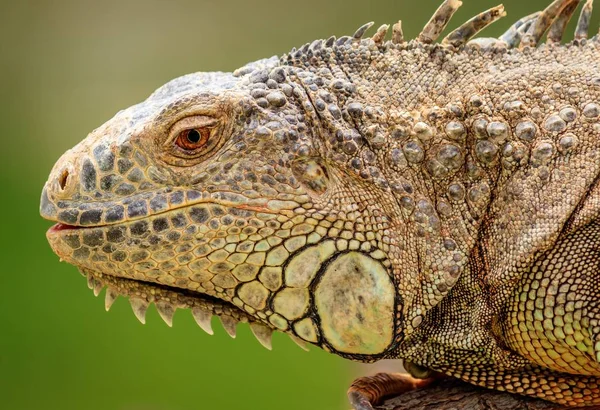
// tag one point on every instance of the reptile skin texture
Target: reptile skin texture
(436, 202)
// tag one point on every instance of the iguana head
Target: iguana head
(223, 194)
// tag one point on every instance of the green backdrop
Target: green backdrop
(67, 66)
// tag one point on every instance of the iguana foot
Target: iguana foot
(365, 392)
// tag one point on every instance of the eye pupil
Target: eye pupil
(193, 136)
(193, 139)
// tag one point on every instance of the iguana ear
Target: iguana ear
(355, 300)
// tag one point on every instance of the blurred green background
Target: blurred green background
(67, 66)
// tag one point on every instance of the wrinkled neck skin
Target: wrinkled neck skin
(389, 142)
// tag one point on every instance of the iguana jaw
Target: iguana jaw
(142, 293)
(275, 270)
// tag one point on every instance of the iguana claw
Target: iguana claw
(365, 392)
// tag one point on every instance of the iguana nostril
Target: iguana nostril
(62, 179)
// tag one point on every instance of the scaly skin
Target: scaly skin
(379, 199)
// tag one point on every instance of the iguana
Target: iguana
(378, 198)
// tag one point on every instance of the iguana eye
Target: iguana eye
(193, 139)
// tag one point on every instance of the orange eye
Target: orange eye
(193, 139)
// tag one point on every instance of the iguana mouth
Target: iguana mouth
(69, 214)
(64, 227)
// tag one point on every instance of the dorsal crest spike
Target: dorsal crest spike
(316, 45)
(512, 37)
(468, 30)
(544, 21)
(379, 36)
(358, 34)
(583, 24)
(439, 21)
(557, 29)
(342, 40)
(397, 33)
